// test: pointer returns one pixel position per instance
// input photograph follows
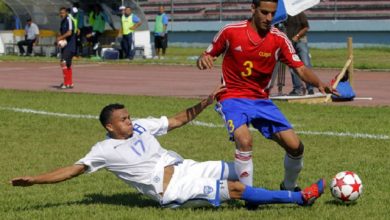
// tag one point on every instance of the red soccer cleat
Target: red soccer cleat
(313, 192)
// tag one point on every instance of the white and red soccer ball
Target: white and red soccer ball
(346, 186)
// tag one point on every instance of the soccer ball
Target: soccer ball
(346, 186)
(62, 43)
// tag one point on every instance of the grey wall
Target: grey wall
(321, 34)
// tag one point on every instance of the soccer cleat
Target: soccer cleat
(63, 86)
(296, 92)
(296, 189)
(313, 192)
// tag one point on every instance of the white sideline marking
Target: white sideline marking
(346, 134)
(202, 124)
(37, 112)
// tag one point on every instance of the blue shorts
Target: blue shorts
(261, 113)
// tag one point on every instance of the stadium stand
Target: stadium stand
(202, 10)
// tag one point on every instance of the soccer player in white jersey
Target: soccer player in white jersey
(132, 152)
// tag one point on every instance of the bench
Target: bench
(18, 35)
(45, 44)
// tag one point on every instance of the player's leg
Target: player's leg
(131, 46)
(293, 159)
(303, 52)
(195, 184)
(156, 47)
(64, 73)
(123, 47)
(296, 81)
(243, 163)
(233, 112)
(164, 44)
(30, 46)
(70, 70)
(66, 63)
(260, 196)
(271, 122)
(20, 45)
(297, 84)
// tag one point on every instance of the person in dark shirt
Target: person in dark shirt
(67, 44)
(297, 27)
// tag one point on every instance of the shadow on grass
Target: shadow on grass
(337, 203)
(137, 200)
(131, 199)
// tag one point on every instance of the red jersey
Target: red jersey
(249, 59)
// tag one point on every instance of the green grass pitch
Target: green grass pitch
(31, 144)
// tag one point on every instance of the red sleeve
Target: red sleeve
(288, 54)
(218, 46)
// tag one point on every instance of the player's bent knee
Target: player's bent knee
(244, 143)
(297, 152)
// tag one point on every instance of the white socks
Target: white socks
(243, 165)
(292, 168)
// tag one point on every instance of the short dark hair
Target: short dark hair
(63, 8)
(106, 113)
(257, 2)
(28, 19)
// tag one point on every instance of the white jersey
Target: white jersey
(139, 160)
(32, 31)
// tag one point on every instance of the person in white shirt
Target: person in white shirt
(132, 152)
(31, 38)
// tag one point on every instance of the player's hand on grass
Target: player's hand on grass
(205, 61)
(23, 181)
(218, 90)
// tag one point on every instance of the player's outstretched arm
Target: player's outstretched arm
(190, 114)
(55, 176)
(309, 76)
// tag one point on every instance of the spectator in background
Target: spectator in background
(72, 13)
(160, 33)
(97, 19)
(122, 10)
(79, 15)
(297, 27)
(130, 22)
(31, 38)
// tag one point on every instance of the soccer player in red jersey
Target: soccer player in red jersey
(251, 49)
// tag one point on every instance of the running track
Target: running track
(162, 80)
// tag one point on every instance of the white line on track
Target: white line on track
(11, 69)
(202, 124)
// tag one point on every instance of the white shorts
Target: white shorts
(195, 184)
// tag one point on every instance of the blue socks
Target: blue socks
(260, 196)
